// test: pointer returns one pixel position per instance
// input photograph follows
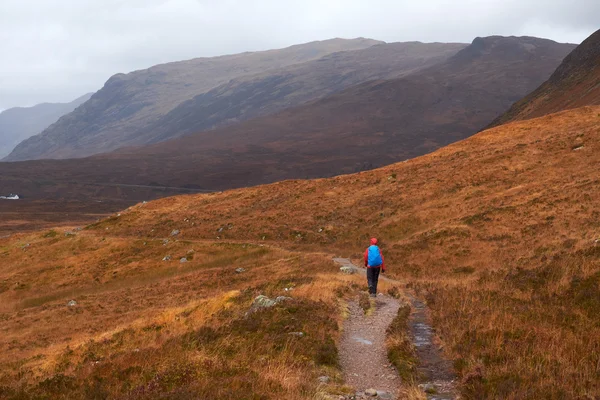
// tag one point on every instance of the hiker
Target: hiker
(374, 264)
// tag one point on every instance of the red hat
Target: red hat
(373, 241)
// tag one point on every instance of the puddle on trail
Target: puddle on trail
(363, 341)
(436, 371)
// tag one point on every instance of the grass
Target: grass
(168, 330)
(400, 347)
(501, 243)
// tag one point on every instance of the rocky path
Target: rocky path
(364, 358)
(362, 349)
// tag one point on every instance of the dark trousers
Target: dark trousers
(372, 279)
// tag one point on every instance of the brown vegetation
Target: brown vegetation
(147, 328)
(499, 233)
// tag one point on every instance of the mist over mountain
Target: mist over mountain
(20, 123)
(128, 104)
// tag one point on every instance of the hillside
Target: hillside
(128, 103)
(575, 83)
(498, 233)
(365, 126)
(18, 124)
(249, 97)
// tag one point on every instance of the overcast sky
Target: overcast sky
(57, 50)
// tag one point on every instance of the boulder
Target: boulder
(281, 299)
(263, 301)
(347, 270)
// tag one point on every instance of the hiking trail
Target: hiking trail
(363, 355)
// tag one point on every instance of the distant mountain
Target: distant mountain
(253, 96)
(18, 124)
(130, 103)
(574, 84)
(362, 127)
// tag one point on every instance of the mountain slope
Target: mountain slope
(18, 124)
(249, 97)
(128, 103)
(366, 126)
(575, 83)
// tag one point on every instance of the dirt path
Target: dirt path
(362, 348)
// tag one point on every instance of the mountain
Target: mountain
(18, 124)
(365, 126)
(496, 235)
(129, 103)
(575, 83)
(249, 97)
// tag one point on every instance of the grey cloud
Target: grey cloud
(56, 50)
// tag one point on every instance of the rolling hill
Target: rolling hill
(18, 124)
(575, 83)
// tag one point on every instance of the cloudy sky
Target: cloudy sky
(57, 50)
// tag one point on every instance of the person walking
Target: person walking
(375, 264)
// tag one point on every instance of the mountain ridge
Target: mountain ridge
(246, 98)
(575, 83)
(129, 102)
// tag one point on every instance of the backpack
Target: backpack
(374, 259)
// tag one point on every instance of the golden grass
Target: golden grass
(158, 328)
(498, 233)
(471, 226)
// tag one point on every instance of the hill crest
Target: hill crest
(575, 83)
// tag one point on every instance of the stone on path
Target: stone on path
(371, 392)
